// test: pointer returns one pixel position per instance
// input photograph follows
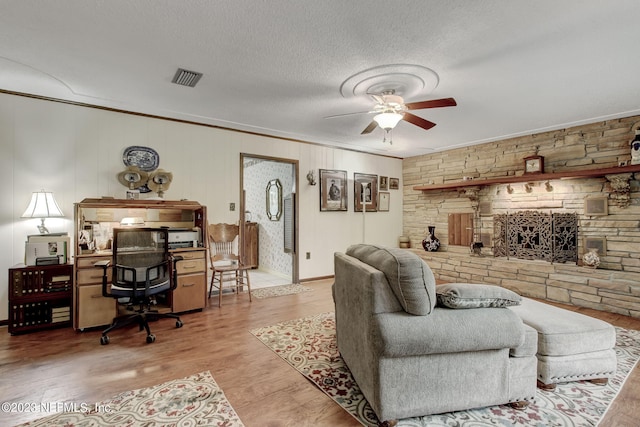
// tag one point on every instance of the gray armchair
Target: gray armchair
(411, 358)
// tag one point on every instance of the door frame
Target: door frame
(295, 271)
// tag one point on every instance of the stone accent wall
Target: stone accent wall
(614, 287)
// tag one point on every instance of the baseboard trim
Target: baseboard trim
(313, 279)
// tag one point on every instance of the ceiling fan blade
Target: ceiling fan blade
(418, 121)
(434, 103)
(349, 114)
(369, 128)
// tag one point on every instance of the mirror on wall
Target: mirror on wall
(274, 200)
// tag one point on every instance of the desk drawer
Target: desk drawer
(87, 262)
(189, 266)
(93, 308)
(86, 276)
(190, 294)
(190, 254)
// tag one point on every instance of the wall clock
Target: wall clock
(534, 164)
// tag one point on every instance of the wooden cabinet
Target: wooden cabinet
(95, 220)
(190, 293)
(91, 308)
(40, 297)
(250, 244)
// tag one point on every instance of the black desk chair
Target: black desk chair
(142, 268)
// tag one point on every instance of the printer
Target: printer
(183, 238)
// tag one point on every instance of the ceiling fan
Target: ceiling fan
(391, 108)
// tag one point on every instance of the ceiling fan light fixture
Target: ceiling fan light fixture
(387, 121)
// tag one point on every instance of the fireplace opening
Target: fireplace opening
(551, 237)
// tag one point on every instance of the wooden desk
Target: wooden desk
(97, 218)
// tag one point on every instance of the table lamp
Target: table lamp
(42, 205)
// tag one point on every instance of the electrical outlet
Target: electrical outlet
(232, 206)
(308, 255)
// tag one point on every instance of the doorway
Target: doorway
(269, 210)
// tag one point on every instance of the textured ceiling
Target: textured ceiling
(281, 67)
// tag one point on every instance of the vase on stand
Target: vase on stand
(431, 243)
(591, 258)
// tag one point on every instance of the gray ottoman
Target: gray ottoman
(571, 346)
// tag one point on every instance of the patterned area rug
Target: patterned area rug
(277, 291)
(190, 401)
(309, 345)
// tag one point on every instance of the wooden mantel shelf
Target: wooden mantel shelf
(588, 173)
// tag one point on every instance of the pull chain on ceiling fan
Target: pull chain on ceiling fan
(388, 132)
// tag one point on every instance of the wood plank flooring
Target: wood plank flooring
(63, 365)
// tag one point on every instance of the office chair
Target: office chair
(142, 269)
(225, 262)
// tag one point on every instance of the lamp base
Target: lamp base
(41, 228)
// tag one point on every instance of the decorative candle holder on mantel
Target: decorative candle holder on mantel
(620, 188)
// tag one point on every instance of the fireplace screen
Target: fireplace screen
(536, 235)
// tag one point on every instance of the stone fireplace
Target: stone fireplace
(536, 253)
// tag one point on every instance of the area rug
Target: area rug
(309, 345)
(196, 400)
(277, 291)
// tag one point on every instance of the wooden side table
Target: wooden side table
(40, 297)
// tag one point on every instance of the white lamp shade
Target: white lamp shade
(42, 205)
(387, 121)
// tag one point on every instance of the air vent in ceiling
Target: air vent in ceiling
(186, 78)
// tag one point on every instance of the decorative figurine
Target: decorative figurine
(635, 149)
(431, 243)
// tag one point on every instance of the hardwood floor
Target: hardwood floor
(67, 366)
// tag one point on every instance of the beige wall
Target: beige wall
(76, 152)
(613, 287)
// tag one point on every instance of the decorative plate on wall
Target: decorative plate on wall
(147, 159)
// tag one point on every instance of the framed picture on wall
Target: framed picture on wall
(333, 190)
(384, 183)
(365, 188)
(384, 201)
(394, 183)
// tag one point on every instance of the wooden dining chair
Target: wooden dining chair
(226, 264)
